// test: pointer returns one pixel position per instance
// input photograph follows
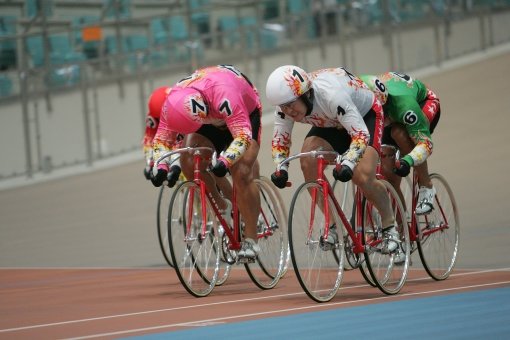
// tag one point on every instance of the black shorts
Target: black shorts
(340, 139)
(221, 136)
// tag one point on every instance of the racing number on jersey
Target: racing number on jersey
(410, 118)
(198, 107)
(380, 85)
(349, 74)
(225, 108)
(231, 69)
(403, 76)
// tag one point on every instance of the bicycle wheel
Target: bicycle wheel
(226, 259)
(365, 272)
(438, 232)
(318, 269)
(195, 255)
(344, 193)
(164, 198)
(388, 269)
(266, 271)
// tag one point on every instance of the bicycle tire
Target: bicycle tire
(162, 223)
(438, 239)
(284, 215)
(195, 259)
(318, 271)
(225, 262)
(363, 268)
(345, 193)
(269, 266)
(389, 276)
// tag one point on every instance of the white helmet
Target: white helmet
(287, 83)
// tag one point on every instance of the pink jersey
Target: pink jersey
(217, 95)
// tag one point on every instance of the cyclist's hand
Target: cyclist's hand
(159, 177)
(220, 168)
(280, 178)
(173, 175)
(342, 173)
(402, 168)
(148, 169)
(147, 172)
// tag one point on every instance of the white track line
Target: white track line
(207, 322)
(259, 298)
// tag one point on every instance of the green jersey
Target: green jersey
(403, 96)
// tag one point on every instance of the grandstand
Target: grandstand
(71, 69)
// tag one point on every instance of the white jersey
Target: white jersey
(341, 100)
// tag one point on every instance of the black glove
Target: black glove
(158, 179)
(343, 173)
(402, 168)
(220, 169)
(173, 175)
(280, 178)
(147, 172)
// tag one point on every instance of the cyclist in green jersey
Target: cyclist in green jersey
(412, 112)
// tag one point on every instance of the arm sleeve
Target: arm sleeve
(349, 116)
(237, 117)
(165, 140)
(282, 133)
(151, 127)
(418, 129)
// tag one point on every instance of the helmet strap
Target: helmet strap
(308, 98)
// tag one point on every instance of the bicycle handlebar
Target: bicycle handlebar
(313, 153)
(182, 150)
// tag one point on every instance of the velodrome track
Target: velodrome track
(79, 255)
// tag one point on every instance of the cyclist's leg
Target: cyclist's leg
(309, 164)
(248, 196)
(373, 189)
(388, 153)
(406, 145)
(210, 180)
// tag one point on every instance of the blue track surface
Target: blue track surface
(472, 315)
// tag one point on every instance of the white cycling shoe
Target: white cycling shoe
(249, 251)
(425, 200)
(391, 239)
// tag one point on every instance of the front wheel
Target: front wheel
(318, 265)
(164, 198)
(194, 241)
(438, 232)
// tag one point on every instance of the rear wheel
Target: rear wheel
(317, 264)
(438, 232)
(344, 193)
(194, 250)
(387, 268)
(270, 264)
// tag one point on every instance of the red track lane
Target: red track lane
(108, 303)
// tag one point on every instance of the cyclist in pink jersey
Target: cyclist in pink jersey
(342, 111)
(217, 107)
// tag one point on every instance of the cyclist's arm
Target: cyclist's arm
(349, 116)
(417, 127)
(151, 126)
(282, 132)
(164, 141)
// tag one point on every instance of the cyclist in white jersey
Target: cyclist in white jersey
(342, 111)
